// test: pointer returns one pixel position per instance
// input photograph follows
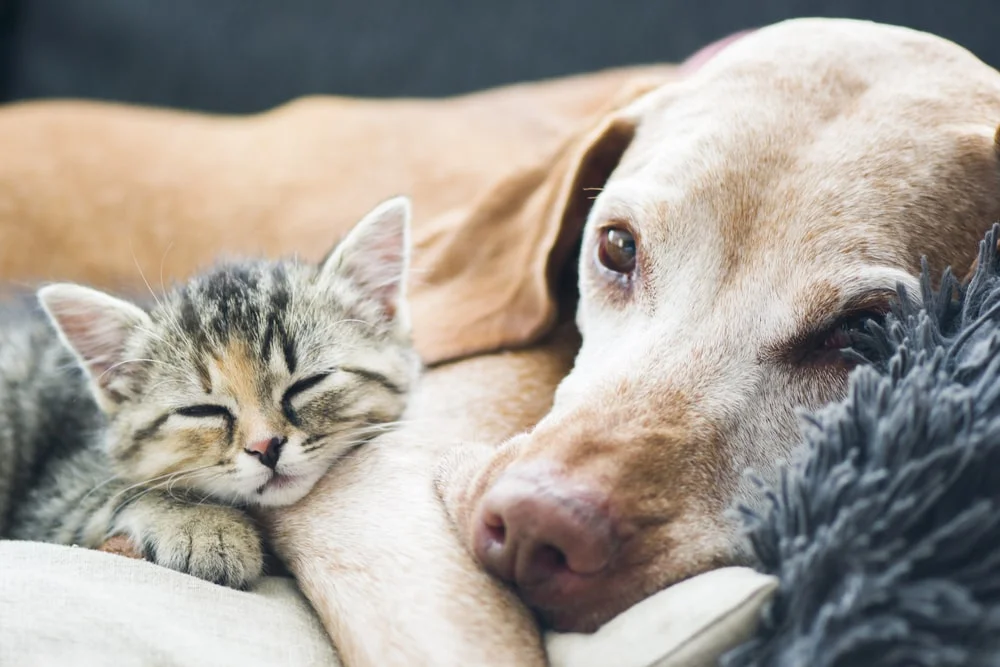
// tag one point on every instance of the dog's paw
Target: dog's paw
(212, 542)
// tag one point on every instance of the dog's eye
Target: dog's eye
(850, 339)
(616, 250)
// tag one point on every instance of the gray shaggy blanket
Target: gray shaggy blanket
(886, 538)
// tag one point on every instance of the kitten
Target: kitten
(237, 389)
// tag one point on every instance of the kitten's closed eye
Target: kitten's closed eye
(298, 389)
(303, 385)
(204, 411)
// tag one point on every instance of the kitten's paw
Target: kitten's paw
(218, 544)
(121, 545)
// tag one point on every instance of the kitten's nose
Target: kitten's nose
(267, 451)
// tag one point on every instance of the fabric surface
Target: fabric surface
(689, 624)
(886, 537)
(70, 606)
(111, 195)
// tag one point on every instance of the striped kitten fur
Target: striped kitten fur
(237, 389)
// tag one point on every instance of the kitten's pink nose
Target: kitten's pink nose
(267, 451)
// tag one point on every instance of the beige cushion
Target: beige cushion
(67, 606)
(689, 624)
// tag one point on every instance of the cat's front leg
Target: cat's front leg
(212, 542)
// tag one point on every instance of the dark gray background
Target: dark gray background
(247, 55)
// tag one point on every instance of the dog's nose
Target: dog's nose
(267, 450)
(539, 531)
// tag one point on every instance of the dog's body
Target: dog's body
(791, 180)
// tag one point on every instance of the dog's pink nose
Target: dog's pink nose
(543, 533)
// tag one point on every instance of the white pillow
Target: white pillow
(61, 606)
(64, 606)
(690, 624)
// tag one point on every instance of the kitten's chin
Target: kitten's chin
(282, 490)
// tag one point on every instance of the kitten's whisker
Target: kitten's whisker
(163, 259)
(350, 444)
(214, 476)
(176, 478)
(158, 478)
(379, 428)
(389, 427)
(146, 492)
(141, 274)
(99, 486)
(132, 361)
(169, 483)
(346, 321)
(208, 494)
(152, 334)
(174, 325)
(166, 381)
(359, 434)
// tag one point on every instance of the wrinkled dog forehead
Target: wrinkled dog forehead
(820, 141)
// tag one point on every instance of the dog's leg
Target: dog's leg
(374, 551)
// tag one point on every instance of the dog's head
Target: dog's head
(761, 211)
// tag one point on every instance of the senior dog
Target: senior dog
(762, 211)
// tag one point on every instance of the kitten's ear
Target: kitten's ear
(376, 256)
(95, 327)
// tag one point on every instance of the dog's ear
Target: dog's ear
(597, 155)
(587, 169)
(502, 256)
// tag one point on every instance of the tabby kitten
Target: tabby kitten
(237, 389)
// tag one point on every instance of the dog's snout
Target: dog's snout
(544, 534)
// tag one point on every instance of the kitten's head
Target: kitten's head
(247, 382)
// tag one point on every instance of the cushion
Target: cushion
(65, 605)
(689, 624)
(71, 606)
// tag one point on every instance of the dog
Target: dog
(764, 209)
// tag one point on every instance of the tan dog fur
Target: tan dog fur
(97, 193)
(797, 176)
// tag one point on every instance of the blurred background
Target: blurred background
(248, 55)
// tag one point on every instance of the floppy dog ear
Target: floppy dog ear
(587, 170)
(486, 276)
